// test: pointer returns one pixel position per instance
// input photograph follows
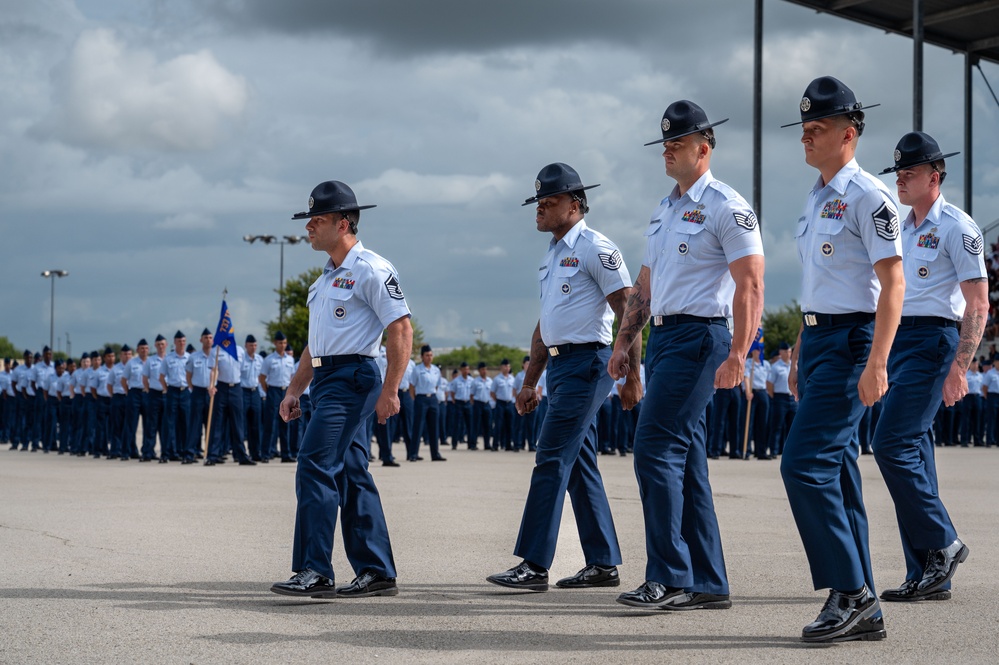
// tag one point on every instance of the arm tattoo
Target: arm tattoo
(636, 314)
(972, 329)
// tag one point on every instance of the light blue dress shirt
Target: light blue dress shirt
(691, 240)
(575, 277)
(847, 226)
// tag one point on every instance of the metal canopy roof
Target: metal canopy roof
(967, 26)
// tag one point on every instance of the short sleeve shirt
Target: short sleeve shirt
(350, 305)
(174, 370)
(691, 240)
(847, 226)
(944, 250)
(576, 276)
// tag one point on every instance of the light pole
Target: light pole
(53, 274)
(285, 240)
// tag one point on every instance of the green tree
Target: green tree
(491, 354)
(296, 313)
(7, 349)
(781, 325)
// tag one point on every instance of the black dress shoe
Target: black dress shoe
(650, 596)
(144, 459)
(438, 459)
(390, 462)
(909, 593)
(247, 462)
(368, 584)
(187, 461)
(941, 566)
(846, 617)
(286, 460)
(305, 583)
(521, 577)
(591, 576)
(699, 601)
(209, 462)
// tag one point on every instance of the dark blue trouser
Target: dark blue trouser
(819, 465)
(275, 428)
(991, 416)
(50, 423)
(116, 425)
(567, 461)
(251, 421)
(227, 424)
(504, 413)
(681, 530)
(178, 411)
(383, 434)
(102, 423)
(333, 472)
(462, 429)
(920, 360)
(197, 418)
(481, 423)
(65, 424)
(296, 428)
(759, 422)
(782, 410)
(725, 422)
(424, 425)
(442, 423)
(134, 409)
(404, 420)
(971, 420)
(152, 422)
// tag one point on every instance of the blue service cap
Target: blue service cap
(179, 335)
(279, 336)
(463, 364)
(206, 331)
(481, 365)
(505, 361)
(57, 362)
(160, 338)
(526, 359)
(107, 350)
(916, 148)
(784, 346)
(682, 118)
(250, 339)
(142, 342)
(190, 348)
(825, 97)
(330, 196)
(125, 347)
(425, 349)
(46, 349)
(554, 179)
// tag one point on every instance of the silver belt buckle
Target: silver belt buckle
(657, 320)
(317, 362)
(553, 351)
(811, 320)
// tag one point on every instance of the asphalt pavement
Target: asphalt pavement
(103, 561)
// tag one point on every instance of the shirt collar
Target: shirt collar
(348, 261)
(841, 179)
(933, 216)
(572, 236)
(696, 190)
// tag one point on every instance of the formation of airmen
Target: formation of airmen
(893, 313)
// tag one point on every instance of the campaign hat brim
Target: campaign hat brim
(535, 199)
(316, 213)
(695, 130)
(927, 160)
(829, 115)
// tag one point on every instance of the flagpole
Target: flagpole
(749, 409)
(211, 402)
(213, 378)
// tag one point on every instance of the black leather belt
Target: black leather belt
(176, 389)
(677, 319)
(135, 390)
(426, 394)
(927, 321)
(565, 349)
(812, 319)
(223, 384)
(332, 361)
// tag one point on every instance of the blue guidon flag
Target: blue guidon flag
(224, 336)
(757, 344)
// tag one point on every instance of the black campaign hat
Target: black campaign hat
(330, 196)
(682, 118)
(554, 179)
(825, 97)
(916, 148)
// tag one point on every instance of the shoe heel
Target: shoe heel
(874, 636)
(963, 556)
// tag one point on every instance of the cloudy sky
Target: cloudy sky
(142, 139)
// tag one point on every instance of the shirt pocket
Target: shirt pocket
(542, 276)
(339, 306)
(829, 236)
(653, 242)
(922, 258)
(686, 243)
(567, 279)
